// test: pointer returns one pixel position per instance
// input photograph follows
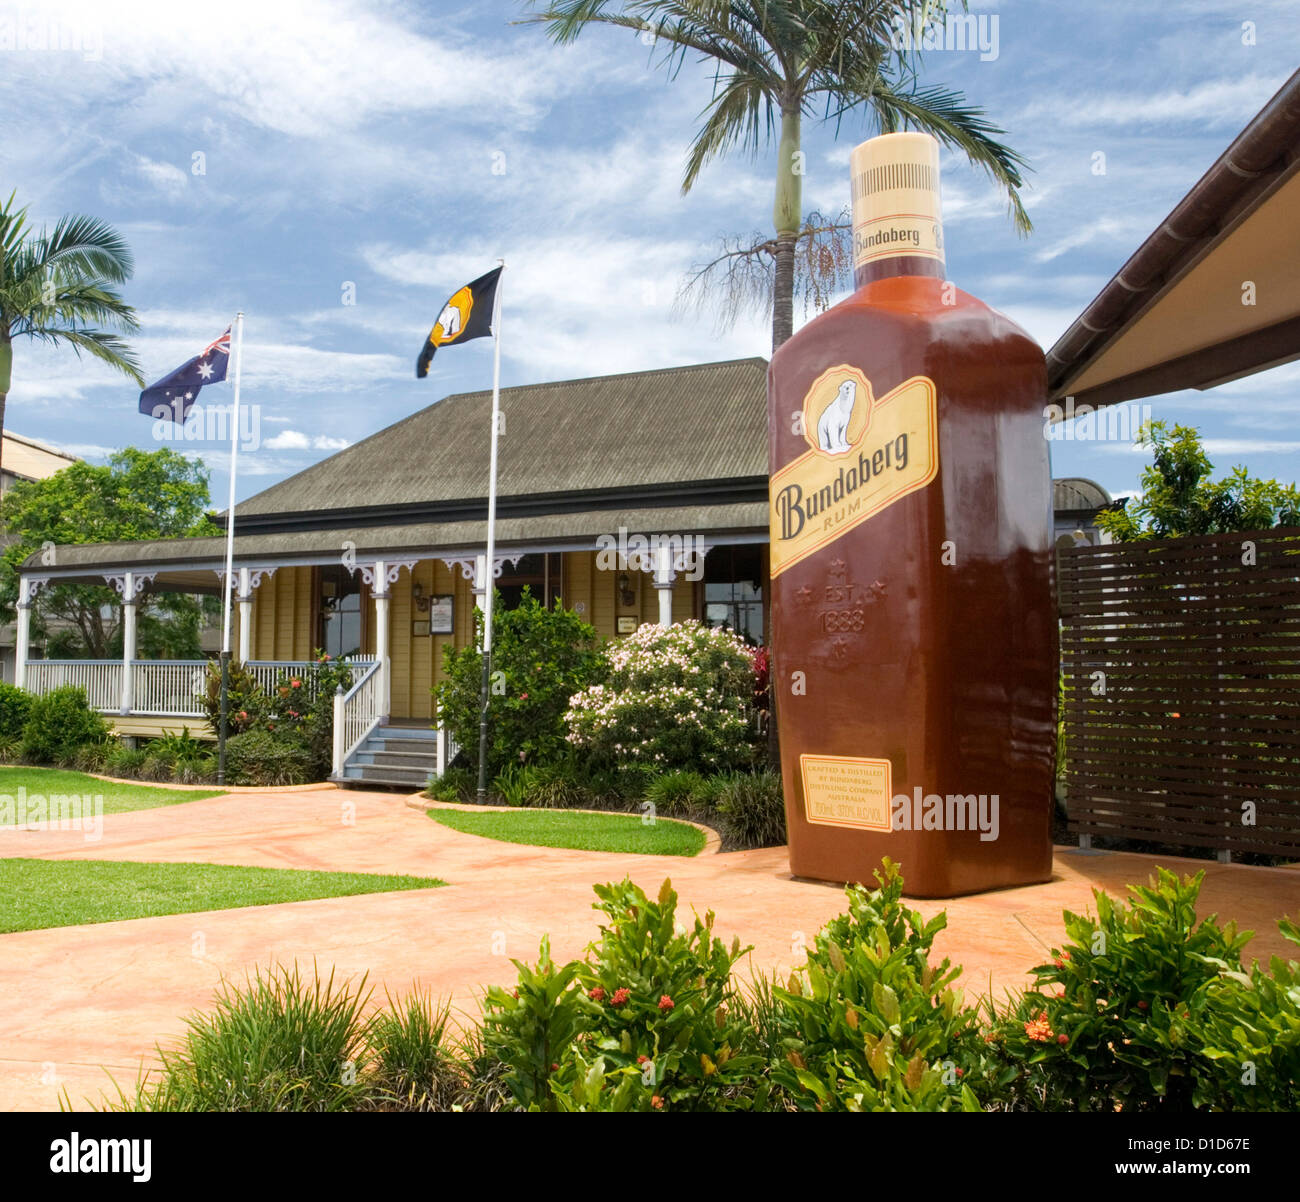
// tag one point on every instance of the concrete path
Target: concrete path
(77, 1000)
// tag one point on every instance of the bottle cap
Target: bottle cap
(896, 210)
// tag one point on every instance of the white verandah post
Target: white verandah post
(381, 595)
(23, 635)
(245, 616)
(128, 642)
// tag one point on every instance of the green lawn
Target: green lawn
(583, 832)
(117, 799)
(60, 893)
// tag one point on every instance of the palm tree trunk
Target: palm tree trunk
(786, 214)
(6, 374)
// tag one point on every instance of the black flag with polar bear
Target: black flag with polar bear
(467, 314)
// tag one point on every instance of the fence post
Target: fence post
(339, 746)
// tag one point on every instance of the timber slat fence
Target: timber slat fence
(1182, 690)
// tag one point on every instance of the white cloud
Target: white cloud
(296, 440)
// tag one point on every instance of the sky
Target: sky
(336, 170)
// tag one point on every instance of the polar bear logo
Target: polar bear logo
(449, 320)
(833, 425)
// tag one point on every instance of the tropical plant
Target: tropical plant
(775, 64)
(413, 1067)
(59, 287)
(15, 706)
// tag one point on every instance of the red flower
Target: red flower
(666, 1003)
(620, 996)
(657, 1102)
(643, 1059)
(243, 715)
(555, 1068)
(1143, 1005)
(597, 994)
(297, 684)
(523, 696)
(1040, 1029)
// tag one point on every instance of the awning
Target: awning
(1176, 314)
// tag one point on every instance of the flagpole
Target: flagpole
(489, 569)
(228, 582)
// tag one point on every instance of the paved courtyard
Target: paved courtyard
(79, 1000)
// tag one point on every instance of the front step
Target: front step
(402, 757)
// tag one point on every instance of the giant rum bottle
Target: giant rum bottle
(913, 615)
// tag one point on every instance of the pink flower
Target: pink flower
(666, 1003)
(620, 997)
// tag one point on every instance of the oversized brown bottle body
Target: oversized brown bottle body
(914, 633)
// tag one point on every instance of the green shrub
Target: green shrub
(278, 1044)
(751, 808)
(412, 1069)
(558, 786)
(11, 749)
(200, 768)
(93, 756)
(455, 784)
(302, 707)
(540, 658)
(260, 757)
(513, 784)
(675, 697)
(680, 792)
(1112, 1022)
(58, 724)
(15, 708)
(870, 1024)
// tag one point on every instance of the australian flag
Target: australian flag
(171, 398)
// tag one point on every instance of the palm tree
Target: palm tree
(777, 61)
(57, 287)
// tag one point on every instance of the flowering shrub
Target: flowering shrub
(675, 697)
(1129, 1014)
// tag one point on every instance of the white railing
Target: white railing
(268, 671)
(102, 679)
(356, 714)
(168, 687)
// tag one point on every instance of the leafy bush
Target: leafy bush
(675, 697)
(91, 757)
(1247, 1036)
(540, 658)
(558, 786)
(1113, 1022)
(751, 807)
(413, 1068)
(870, 1024)
(302, 707)
(11, 749)
(15, 708)
(279, 1044)
(261, 757)
(59, 724)
(455, 784)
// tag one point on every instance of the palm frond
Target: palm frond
(740, 113)
(98, 344)
(85, 246)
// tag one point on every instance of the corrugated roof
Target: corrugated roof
(677, 425)
(423, 539)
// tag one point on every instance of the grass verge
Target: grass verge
(58, 893)
(577, 830)
(117, 799)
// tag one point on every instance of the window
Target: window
(539, 573)
(733, 591)
(340, 628)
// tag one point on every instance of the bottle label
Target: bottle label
(864, 454)
(913, 234)
(847, 791)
